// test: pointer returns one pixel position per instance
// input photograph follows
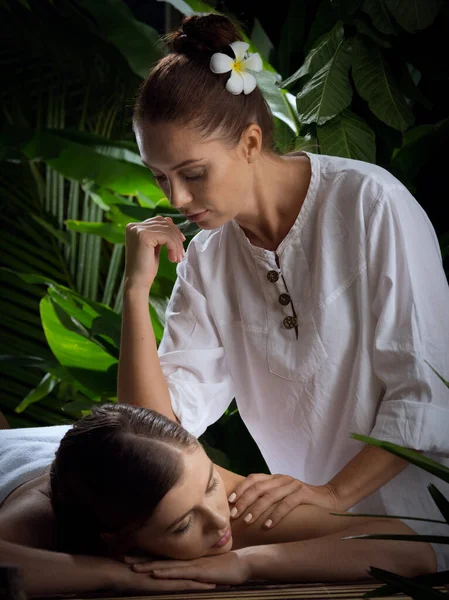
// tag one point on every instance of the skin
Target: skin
(191, 518)
(240, 182)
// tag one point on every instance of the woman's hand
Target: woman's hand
(127, 580)
(143, 245)
(226, 569)
(259, 492)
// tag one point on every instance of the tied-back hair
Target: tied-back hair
(181, 88)
(111, 470)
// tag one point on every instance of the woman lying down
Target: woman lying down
(128, 482)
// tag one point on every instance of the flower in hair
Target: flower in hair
(241, 80)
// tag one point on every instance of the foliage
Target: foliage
(422, 587)
(71, 176)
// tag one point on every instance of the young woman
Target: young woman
(129, 481)
(315, 294)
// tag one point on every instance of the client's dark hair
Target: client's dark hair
(111, 470)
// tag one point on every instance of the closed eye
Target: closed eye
(193, 177)
(214, 486)
(186, 527)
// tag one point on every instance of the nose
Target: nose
(215, 519)
(179, 195)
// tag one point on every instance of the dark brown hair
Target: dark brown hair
(111, 470)
(182, 88)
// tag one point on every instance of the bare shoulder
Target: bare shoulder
(26, 517)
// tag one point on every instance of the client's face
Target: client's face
(192, 519)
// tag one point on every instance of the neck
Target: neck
(280, 187)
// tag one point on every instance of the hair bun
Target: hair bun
(203, 35)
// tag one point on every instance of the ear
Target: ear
(252, 142)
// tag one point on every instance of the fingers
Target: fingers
(270, 489)
(284, 508)
(195, 573)
(246, 484)
(274, 496)
(184, 585)
(156, 232)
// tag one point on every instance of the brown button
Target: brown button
(290, 322)
(284, 299)
(272, 276)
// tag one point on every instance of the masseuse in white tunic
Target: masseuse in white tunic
(315, 295)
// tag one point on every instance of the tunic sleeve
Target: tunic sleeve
(410, 302)
(191, 354)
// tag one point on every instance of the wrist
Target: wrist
(254, 560)
(133, 286)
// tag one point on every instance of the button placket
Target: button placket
(291, 321)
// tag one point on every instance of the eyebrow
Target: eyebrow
(189, 511)
(183, 164)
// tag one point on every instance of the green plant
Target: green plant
(422, 587)
(71, 177)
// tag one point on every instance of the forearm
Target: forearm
(368, 471)
(330, 558)
(47, 572)
(140, 378)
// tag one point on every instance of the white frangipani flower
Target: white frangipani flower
(240, 80)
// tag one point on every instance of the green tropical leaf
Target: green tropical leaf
(59, 234)
(365, 29)
(277, 99)
(329, 91)
(80, 162)
(85, 360)
(434, 579)
(261, 41)
(320, 54)
(414, 15)
(108, 325)
(440, 500)
(425, 539)
(374, 516)
(431, 466)
(349, 136)
(138, 42)
(379, 15)
(45, 387)
(112, 232)
(307, 143)
(376, 85)
(189, 7)
(412, 587)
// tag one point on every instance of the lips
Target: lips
(197, 217)
(224, 539)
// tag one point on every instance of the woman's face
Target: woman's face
(207, 180)
(192, 519)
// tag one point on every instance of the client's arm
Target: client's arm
(327, 558)
(48, 572)
(27, 539)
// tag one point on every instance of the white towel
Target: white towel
(26, 453)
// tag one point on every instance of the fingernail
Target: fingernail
(268, 524)
(248, 518)
(234, 511)
(232, 497)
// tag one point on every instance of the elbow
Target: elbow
(404, 557)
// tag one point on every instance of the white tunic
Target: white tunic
(363, 268)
